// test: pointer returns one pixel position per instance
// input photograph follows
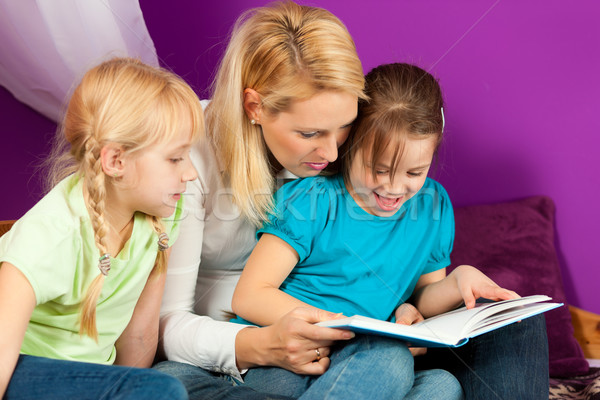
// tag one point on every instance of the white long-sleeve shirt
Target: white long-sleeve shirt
(204, 267)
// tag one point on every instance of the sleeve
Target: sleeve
(50, 268)
(298, 214)
(187, 337)
(443, 224)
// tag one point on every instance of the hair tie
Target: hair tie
(443, 120)
(163, 241)
(104, 264)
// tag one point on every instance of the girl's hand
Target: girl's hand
(473, 284)
(291, 342)
(407, 314)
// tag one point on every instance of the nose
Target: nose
(189, 172)
(396, 186)
(328, 148)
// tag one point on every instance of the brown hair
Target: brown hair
(285, 52)
(403, 99)
(132, 104)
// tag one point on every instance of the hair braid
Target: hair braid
(160, 265)
(133, 105)
(93, 182)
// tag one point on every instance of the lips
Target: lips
(317, 166)
(177, 196)
(388, 203)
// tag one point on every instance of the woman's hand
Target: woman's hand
(473, 284)
(291, 343)
(407, 314)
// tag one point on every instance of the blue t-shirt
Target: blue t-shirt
(355, 262)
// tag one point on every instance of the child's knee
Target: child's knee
(438, 384)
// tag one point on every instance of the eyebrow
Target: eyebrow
(381, 165)
(422, 166)
(325, 130)
(181, 148)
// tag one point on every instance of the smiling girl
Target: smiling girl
(369, 239)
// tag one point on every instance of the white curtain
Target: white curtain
(47, 45)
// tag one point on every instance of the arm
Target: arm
(436, 293)
(407, 314)
(290, 343)
(226, 347)
(257, 297)
(220, 346)
(136, 347)
(17, 301)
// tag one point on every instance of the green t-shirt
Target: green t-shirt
(53, 246)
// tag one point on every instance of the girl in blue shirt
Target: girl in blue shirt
(370, 239)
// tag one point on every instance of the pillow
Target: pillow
(513, 243)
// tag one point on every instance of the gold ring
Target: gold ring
(318, 354)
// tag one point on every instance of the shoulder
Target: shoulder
(45, 243)
(309, 190)
(432, 200)
(433, 191)
(61, 210)
(314, 184)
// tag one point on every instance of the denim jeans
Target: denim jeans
(202, 384)
(365, 367)
(508, 363)
(49, 379)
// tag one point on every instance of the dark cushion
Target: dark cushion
(513, 243)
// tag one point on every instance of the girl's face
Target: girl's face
(305, 138)
(158, 176)
(383, 196)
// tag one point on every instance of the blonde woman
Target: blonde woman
(285, 97)
(284, 100)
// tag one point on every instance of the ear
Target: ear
(252, 104)
(113, 160)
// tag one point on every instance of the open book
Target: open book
(453, 328)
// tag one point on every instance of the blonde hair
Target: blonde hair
(403, 99)
(134, 105)
(285, 52)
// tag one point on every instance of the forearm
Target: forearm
(464, 284)
(200, 341)
(251, 348)
(17, 301)
(437, 297)
(137, 344)
(8, 361)
(263, 306)
(137, 351)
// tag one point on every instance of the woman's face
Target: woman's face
(305, 138)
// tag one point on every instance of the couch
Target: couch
(514, 244)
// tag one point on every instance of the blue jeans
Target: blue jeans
(202, 384)
(365, 367)
(508, 363)
(49, 379)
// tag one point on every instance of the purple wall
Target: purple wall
(520, 81)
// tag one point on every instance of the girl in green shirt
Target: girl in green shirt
(82, 273)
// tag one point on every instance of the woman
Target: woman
(284, 97)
